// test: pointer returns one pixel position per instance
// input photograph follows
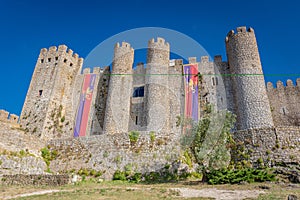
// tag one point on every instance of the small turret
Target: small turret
(117, 113)
(123, 58)
(156, 89)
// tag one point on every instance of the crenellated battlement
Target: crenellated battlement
(218, 59)
(240, 31)
(10, 118)
(280, 85)
(124, 45)
(204, 59)
(158, 43)
(60, 54)
(140, 68)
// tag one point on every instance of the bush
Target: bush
(136, 178)
(250, 175)
(152, 136)
(98, 174)
(48, 155)
(133, 136)
(22, 153)
(93, 172)
(119, 175)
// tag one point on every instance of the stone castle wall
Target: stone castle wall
(37, 180)
(110, 152)
(273, 146)
(5, 116)
(15, 140)
(285, 103)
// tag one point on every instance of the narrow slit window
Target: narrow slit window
(213, 81)
(283, 111)
(136, 120)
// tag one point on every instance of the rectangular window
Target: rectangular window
(138, 92)
(40, 92)
(136, 120)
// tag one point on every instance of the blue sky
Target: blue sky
(28, 26)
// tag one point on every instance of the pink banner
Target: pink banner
(84, 105)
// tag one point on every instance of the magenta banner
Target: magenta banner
(84, 105)
(191, 91)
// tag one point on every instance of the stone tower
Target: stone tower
(157, 85)
(117, 115)
(48, 110)
(251, 100)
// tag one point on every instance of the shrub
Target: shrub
(133, 136)
(152, 136)
(118, 175)
(187, 159)
(137, 177)
(93, 172)
(98, 174)
(48, 155)
(22, 153)
(250, 175)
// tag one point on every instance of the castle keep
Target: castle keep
(145, 98)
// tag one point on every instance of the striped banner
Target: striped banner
(84, 105)
(191, 91)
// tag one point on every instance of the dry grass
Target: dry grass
(124, 190)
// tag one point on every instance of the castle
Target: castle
(87, 118)
(146, 98)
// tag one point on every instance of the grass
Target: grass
(125, 190)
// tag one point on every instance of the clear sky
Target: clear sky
(28, 26)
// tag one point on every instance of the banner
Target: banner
(191, 91)
(84, 105)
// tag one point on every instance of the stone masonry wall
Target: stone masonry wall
(15, 140)
(110, 152)
(285, 103)
(273, 146)
(99, 103)
(38, 180)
